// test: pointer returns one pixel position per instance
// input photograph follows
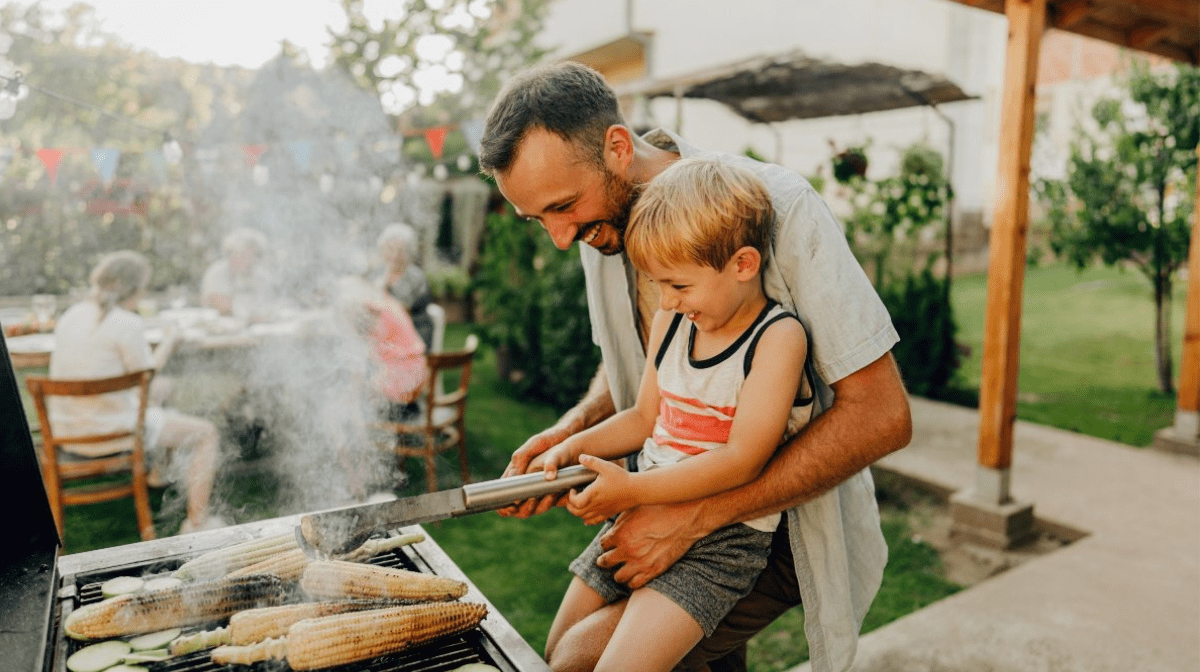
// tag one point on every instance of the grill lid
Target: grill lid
(28, 558)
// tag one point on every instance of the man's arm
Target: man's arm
(869, 419)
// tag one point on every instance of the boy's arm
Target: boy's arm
(763, 407)
(621, 434)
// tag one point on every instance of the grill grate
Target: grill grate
(441, 656)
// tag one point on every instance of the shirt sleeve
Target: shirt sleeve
(812, 272)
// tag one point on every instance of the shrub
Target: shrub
(534, 312)
(927, 353)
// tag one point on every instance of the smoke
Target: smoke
(306, 392)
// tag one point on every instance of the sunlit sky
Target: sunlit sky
(225, 32)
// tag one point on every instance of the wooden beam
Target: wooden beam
(1006, 269)
(1069, 13)
(1147, 35)
(1188, 398)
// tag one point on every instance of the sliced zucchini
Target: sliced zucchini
(154, 640)
(98, 657)
(123, 667)
(121, 585)
(476, 667)
(162, 582)
(149, 656)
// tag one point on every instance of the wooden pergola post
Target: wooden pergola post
(987, 513)
(1184, 435)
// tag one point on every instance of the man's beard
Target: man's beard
(621, 196)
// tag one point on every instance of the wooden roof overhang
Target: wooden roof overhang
(1169, 28)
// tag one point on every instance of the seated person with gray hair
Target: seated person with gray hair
(239, 283)
(102, 337)
(403, 279)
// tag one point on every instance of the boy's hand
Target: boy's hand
(610, 494)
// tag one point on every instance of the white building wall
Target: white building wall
(937, 36)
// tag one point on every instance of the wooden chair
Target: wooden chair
(441, 425)
(60, 468)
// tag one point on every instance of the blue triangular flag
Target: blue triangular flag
(105, 160)
(472, 130)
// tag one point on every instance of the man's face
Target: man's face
(573, 199)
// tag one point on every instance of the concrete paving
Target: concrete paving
(1125, 597)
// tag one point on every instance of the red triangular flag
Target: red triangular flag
(436, 137)
(251, 154)
(50, 159)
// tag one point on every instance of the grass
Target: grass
(1087, 350)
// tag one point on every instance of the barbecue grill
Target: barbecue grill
(38, 588)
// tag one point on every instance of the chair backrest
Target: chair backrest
(41, 388)
(448, 361)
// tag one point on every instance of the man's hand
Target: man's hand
(610, 494)
(647, 540)
(521, 461)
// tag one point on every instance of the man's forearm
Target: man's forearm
(869, 419)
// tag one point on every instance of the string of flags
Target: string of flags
(105, 160)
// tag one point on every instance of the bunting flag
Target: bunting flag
(51, 158)
(301, 151)
(251, 154)
(436, 138)
(472, 130)
(158, 163)
(6, 155)
(105, 160)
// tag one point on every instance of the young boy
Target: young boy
(716, 398)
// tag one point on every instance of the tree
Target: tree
(1128, 191)
(438, 61)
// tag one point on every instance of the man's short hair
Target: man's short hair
(118, 276)
(566, 98)
(699, 211)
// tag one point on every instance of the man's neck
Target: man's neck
(649, 161)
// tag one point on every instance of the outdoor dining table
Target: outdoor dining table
(201, 330)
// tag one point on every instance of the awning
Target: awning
(797, 86)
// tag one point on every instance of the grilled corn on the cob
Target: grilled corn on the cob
(338, 579)
(255, 625)
(346, 638)
(180, 606)
(221, 561)
(288, 566)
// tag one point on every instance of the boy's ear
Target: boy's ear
(748, 262)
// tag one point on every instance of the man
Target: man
(561, 154)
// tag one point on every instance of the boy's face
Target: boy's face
(710, 298)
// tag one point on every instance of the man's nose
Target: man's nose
(561, 232)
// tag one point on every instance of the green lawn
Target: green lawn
(1087, 350)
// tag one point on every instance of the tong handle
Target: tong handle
(488, 495)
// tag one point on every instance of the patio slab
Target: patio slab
(1125, 597)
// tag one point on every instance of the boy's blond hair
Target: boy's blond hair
(699, 211)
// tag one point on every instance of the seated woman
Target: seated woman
(397, 352)
(103, 337)
(239, 283)
(403, 279)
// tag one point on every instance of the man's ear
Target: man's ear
(618, 148)
(747, 261)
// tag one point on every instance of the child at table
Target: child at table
(719, 393)
(104, 336)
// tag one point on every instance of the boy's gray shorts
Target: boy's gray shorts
(706, 582)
